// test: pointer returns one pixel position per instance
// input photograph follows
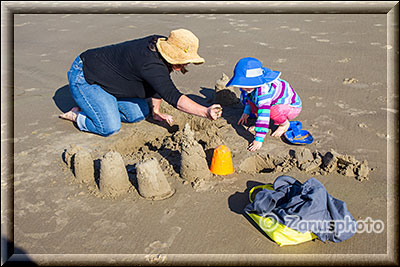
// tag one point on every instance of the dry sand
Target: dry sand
(336, 62)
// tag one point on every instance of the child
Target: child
(267, 96)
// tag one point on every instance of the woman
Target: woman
(110, 84)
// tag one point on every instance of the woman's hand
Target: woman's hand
(255, 146)
(243, 119)
(163, 117)
(214, 112)
(157, 115)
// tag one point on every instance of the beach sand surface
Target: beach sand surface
(337, 63)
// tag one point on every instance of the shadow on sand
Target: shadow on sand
(12, 255)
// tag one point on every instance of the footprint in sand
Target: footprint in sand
(316, 80)
(168, 213)
(158, 247)
(345, 60)
(280, 60)
(358, 112)
(341, 104)
(315, 97)
(362, 125)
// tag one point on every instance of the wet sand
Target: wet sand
(338, 64)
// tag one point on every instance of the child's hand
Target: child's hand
(243, 119)
(255, 146)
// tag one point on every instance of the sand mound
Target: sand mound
(193, 158)
(114, 179)
(225, 95)
(84, 167)
(303, 159)
(151, 180)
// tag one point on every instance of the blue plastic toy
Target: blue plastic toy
(296, 135)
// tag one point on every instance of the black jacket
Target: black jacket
(130, 69)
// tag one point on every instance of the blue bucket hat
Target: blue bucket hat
(249, 72)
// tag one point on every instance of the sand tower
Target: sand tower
(193, 158)
(151, 180)
(84, 167)
(114, 179)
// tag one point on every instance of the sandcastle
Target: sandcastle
(183, 155)
(114, 179)
(152, 183)
(193, 158)
(84, 167)
(81, 163)
(304, 160)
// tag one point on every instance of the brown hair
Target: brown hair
(152, 46)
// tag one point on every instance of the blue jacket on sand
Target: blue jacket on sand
(305, 207)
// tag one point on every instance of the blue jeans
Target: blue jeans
(102, 113)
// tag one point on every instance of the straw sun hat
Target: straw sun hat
(180, 47)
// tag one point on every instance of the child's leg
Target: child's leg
(281, 114)
(99, 112)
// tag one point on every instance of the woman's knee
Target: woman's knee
(134, 110)
(109, 130)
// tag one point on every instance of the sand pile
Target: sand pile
(114, 179)
(225, 95)
(80, 162)
(194, 165)
(305, 160)
(84, 167)
(108, 178)
(182, 156)
(185, 154)
(151, 180)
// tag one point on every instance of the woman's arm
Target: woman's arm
(157, 115)
(187, 105)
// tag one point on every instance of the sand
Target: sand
(56, 176)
